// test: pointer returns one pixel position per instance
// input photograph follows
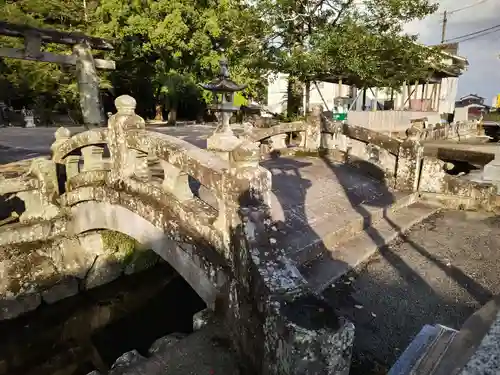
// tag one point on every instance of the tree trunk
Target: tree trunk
(159, 112)
(294, 97)
(172, 115)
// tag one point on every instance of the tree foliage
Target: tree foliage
(358, 40)
(165, 48)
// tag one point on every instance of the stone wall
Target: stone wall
(437, 185)
(52, 270)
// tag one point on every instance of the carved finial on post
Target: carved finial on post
(61, 135)
(247, 154)
(125, 105)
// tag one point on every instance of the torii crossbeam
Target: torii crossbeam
(86, 65)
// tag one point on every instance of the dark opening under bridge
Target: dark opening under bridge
(257, 238)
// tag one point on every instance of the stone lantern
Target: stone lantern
(223, 140)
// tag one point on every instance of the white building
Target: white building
(379, 108)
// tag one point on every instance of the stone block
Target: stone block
(165, 342)
(65, 288)
(75, 256)
(202, 319)
(491, 171)
(12, 308)
(141, 260)
(222, 144)
(125, 362)
(106, 268)
(317, 341)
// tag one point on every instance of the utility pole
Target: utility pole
(443, 31)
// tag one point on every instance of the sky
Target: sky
(483, 53)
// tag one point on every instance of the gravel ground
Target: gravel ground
(440, 272)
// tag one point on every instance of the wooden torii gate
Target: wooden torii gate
(86, 64)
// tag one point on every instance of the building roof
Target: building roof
(471, 96)
(456, 67)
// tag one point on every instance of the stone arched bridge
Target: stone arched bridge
(236, 224)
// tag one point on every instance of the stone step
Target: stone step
(364, 218)
(331, 265)
(425, 352)
(438, 350)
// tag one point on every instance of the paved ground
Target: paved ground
(441, 272)
(314, 197)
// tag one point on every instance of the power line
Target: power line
(479, 36)
(467, 7)
(475, 33)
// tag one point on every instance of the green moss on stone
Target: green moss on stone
(119, 244)
(128, 251)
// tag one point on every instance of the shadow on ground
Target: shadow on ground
(440, 272)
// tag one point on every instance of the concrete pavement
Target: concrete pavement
(21, 143)
(442, 271)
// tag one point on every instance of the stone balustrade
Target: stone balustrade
(454, 130)
(127, 179)
(391, 159)
(131, 149)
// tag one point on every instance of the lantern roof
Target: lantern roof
(223, 83)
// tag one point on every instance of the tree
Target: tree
(174, 44)
(362, 41)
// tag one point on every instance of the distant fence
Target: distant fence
(389, 121)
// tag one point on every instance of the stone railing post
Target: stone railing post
(313, 129)
(278, 142)
(257, 186)
(124, 163)
(72, 163)
(176, 181)
(408, 165)
(92, 158)
(61, 135)
(266, 298)
(41, 203)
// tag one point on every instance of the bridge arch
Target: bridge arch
(205, 280)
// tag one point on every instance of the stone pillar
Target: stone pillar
(139, 164)
(491, 171)
(92, 158)
(176, 182)
(408, 166)
(275, 323)
(41, 203)
(61, 135)
(224, 141)
(245, 166)
(313, 129)
(328, 141)
(123, 165)
(278, 142)
(72, 166)
(88, 86)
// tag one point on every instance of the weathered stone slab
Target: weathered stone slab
(53, 270)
